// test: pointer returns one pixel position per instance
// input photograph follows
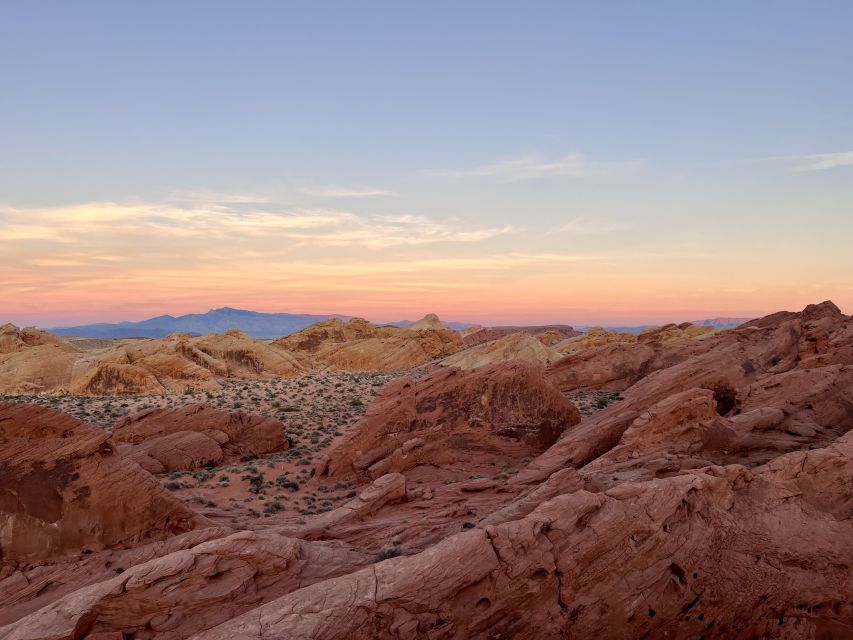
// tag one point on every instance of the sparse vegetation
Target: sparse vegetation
(588, 402)
(387, 552)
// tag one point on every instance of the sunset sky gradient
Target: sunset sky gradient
(496, 162)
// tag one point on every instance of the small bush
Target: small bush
(387, 552)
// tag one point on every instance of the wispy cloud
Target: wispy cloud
(344, 191)
(585, 226)
(537, 166)
(273, 195)
(215, 197)
(138, 224)
(817, 161)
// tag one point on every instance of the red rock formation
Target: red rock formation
(195, 435)
(311, 338)
(179, 362)
(32, 361)
(13, 339)
(478, 335)
(385, 490)
(819, 335)
(451, 416)
(720, 552)
(358, 345)
(189, 590)
(515, 346)
(63, 488)
(713, 500)
(593, 338)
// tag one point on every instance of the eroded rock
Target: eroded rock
(64, 488)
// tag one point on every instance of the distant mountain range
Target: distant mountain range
(269, 325)
(254, 323)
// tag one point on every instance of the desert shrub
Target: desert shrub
(283, 482)
(387, 552)
(256, 482)
(273, 506)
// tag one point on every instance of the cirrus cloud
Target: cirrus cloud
(538, 166)
(344, 191)
(133, 224)
(593, 226)
(816, 161)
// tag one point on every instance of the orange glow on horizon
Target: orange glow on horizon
(106, 262)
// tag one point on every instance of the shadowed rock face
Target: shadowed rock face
(714, 500)
(63, 488)
(455, 416)
(195, 435)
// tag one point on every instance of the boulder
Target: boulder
(64, 488)
(506, 410)
(195, 435)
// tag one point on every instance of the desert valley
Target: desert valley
(381, 320)
(351, 480)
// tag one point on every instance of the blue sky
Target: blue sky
(715, 134)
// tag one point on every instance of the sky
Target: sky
(493, 162)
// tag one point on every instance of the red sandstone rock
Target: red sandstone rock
(713, 500)
(548, 333)
(453, 415)
(63, 488)
(195, 435)
(721, 552)
(385, 490)
(189, 590)
(814, 339)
